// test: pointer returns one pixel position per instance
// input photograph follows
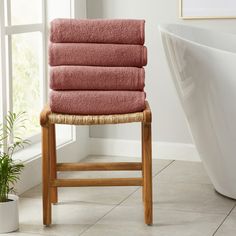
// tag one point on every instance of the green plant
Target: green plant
(10, 140)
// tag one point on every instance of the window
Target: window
(23, 61)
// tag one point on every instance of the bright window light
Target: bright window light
(26, 12)
(26, 57)
(62, 10)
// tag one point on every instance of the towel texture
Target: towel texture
(97, 66)
(96, 102)
(97, 54)
(97, 31)
(96, 78)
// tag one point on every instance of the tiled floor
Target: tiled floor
(185, 203)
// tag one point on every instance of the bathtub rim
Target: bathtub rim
(162, 28)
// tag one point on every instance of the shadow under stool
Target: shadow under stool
(48, 120)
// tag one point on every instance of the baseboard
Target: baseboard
(160, 150)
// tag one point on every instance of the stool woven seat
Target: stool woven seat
(50, 167)
(55, 118)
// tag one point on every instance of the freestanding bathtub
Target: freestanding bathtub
(203, 67)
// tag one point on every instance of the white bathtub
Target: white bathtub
(203, 67)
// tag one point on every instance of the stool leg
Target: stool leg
(147, 173)
(142, 134)
(46, 175)
(53, 158)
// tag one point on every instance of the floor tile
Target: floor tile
(234, 210)
(229, 227)
(68, 219)
(185, 172)
(185, 203)
(128, 221)
(17, 233)
(185, 197)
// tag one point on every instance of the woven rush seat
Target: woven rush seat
(54, 118)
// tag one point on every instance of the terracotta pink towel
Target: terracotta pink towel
(97, 31)
(92, 54)
(96, 78)
(96, 102)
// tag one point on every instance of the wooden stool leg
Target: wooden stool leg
(46, 175)
(53, 158)
(147, 173)
(142, 137)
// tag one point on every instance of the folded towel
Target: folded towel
(96, 102)
(97, 31)
(97, 54)
(96, 78)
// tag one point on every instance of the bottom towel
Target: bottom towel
(96, 102)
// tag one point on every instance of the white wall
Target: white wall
(168, 120)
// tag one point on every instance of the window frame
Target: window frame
(6, 32)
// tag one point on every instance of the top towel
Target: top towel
(113, 31)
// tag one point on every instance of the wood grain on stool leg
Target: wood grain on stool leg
(147, 171)
(46, 175)
(142, 138)
(53, 159)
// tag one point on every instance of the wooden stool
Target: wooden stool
(50, 165)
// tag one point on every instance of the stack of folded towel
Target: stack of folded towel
(97, 66)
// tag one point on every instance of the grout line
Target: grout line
(164, 168)
(224, 220)
(110, 211)
(89, 227)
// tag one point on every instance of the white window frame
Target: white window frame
(6, 59)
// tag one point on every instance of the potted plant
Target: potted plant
(10, 169)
